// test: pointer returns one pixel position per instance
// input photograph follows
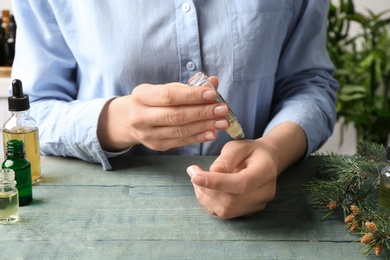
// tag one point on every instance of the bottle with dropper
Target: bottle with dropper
(235, 129)
(22, 126)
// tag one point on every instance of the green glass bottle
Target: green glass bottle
(16, 160)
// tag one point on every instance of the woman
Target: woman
(110, 77)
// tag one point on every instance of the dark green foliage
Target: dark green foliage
(362, 62)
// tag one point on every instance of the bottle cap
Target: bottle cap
(18, 101)
(15, 146)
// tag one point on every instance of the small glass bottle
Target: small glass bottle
(235, 129)
(9, 202)
(384, 186)
(23, 127)
(16, 160)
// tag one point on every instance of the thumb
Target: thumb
(232, 157)
(226, 162)
(196, 174)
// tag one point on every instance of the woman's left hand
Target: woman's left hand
(241, 181)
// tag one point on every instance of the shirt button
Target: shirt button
(190, 65)
(186, 7)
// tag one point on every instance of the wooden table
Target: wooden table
(146, 209)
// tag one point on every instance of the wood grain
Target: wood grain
(146, 209)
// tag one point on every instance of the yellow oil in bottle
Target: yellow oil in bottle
(384, 195)
(9, 207)
(31, 143)
(384, 188)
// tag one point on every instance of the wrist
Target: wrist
(287, 144)
(110, 130)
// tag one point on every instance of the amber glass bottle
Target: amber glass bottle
(16, 160)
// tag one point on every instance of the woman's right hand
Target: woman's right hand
(162, 117)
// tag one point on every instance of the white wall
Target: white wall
(5, 4)
(374, 5)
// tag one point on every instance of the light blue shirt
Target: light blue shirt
(269, 55)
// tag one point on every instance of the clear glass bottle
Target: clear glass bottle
(384, 186)
(9, 202)
(16, 161)
(235, 129)
(23, 127)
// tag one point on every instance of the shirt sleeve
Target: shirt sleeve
(305, 91)
(51, 83)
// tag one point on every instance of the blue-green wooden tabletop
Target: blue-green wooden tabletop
(146, 209)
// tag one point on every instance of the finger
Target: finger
(228, 206)
(168, 143)
(230, 200)
(211, 83)
(217, 181)
(214, 81)
(232, 157)
(190, 129)
(173, 94)
(164, 138)
(242, 182)
(179, 115)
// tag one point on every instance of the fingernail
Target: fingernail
(209, 136)
(221, 124)
(198, 180)
(191, 171)
(220, 111)
(209, 95)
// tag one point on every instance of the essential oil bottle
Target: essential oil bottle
(16, 161)
(384, 186)
(9, 202)
(22, 126)
(235, 129)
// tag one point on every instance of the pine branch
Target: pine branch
(351, 184)
(372, 223)
(371, 151)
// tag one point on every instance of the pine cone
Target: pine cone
(355, 210)
(349, 218)
(332, 205)
(378, 248)
(367, 238)
(371, 226)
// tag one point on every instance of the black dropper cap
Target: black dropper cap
(18, 101)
